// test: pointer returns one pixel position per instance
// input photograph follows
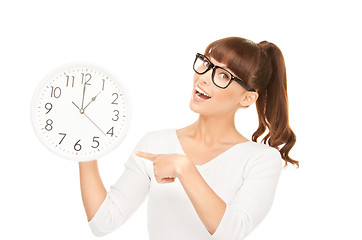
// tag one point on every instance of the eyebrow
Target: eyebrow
(225, 67)
(216, 64)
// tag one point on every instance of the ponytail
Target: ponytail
(272, 103)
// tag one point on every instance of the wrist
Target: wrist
(186, 170)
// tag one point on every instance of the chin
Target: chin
(202, 110)
(195, 108)
(214, 111)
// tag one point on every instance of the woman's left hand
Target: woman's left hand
(167, 167)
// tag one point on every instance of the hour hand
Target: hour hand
(93, 99)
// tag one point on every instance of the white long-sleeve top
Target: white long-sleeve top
(245, 176)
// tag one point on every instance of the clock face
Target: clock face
(80, 112)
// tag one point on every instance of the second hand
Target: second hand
(82, 112)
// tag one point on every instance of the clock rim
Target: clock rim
(90, 157)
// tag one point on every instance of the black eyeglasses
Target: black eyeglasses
(220, 76)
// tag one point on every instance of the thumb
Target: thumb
(167, 180)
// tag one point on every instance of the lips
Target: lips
(200, 95)
(202, 91)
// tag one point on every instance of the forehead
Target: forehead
(215, 62)
(220, 64)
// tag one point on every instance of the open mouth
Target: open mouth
(201, 94)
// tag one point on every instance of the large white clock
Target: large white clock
(80, 112)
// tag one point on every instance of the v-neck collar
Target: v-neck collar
(212, 161)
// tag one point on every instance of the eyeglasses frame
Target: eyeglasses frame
(213, 67)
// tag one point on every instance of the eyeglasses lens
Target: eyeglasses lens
(220, 77)
(201, 64)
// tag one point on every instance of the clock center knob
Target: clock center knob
(81, 111)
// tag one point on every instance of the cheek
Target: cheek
(228, 96)
(225, 94)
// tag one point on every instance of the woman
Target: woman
(221, 184)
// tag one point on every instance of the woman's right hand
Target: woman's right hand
(92, 188)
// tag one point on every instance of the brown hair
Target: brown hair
(262, 67)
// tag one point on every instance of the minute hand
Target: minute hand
(85, 83)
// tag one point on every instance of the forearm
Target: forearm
(209, 206)
(92, 189)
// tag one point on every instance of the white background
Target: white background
(150, 45)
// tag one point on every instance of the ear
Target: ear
(248, 98)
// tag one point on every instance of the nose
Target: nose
(205, 79)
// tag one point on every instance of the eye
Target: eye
(224, 76)
(206, 64)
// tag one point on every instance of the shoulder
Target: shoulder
(259, 149)
(161, 134)
(261, 154)
(158, 140)
(263, 149)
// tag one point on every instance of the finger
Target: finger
(149, 156)
(167, 180)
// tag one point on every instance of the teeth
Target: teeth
(200, 91)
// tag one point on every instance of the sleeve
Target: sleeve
(253, 200)
(124, 197)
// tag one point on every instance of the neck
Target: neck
(211, 130)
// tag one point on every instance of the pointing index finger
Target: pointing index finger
(149, 156)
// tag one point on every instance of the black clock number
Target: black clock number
(114, 101)
(48, 106)
(117, 113)
(62, 137)
(110, 131)
(86, 77)
(95, 141)
(48, 125)
(55, 92)
(71, 80)
(103, 84)
(77, 146)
